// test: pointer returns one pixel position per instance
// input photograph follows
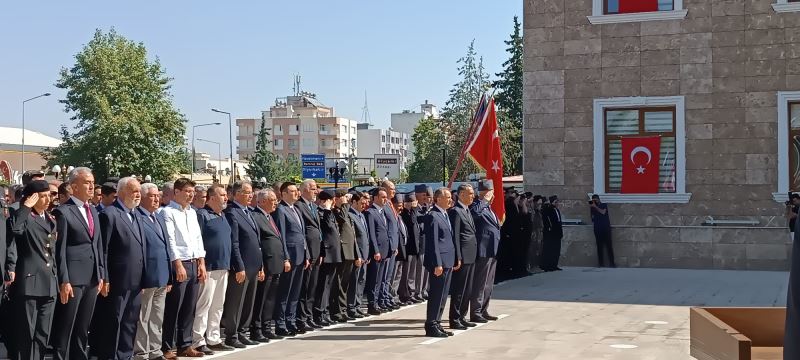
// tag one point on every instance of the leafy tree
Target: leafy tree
(264, 163)
(123, 108)
(509, 103)
(427, 165)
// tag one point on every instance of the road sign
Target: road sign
(387, 166)
(313, 166)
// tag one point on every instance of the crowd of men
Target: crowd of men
(130, 270)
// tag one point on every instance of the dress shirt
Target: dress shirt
(444, 213)
(380, 211)
(80, 208)
(152, 217)
(127, 211)
(183, 232)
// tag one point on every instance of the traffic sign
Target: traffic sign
(313, 166)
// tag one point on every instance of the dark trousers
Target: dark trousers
(322, 294)
(358, 281)
(602, 236)
(264, 308)
(114, 330)
(791, 337)
(34, 317)
(460, 291)
(179, 310)
(288, 298)
(482, 285)
(388, 277)
(238, 309)
(551, 252)
(375, 273)
(308, 289)
(439, 288)
(71, 324)
(340, 288)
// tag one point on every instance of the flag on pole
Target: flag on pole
(484, 148)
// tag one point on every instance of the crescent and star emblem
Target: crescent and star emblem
(646, 151)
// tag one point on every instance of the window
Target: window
(788, 144)
(383, 138)
(786, 5)
(323, 127)
(292, 144)
(621, 11)
(308, 142)
(635, 6)
(616, 118)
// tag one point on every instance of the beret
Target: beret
(326, 194)
(410, 197)
(553, 198)
(340, 192)
(485, 185)
(34, 187)
(422, 188)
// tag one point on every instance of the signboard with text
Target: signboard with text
(313, 166)
(387, 165)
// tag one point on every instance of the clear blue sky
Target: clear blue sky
(240, 56)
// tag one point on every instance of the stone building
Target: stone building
(717, 80)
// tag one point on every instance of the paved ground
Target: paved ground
(579, 313)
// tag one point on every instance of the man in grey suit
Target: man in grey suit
(358, 203)
(466, 252)
(487, 226)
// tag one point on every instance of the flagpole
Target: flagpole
(470, 134)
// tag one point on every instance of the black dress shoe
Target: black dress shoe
(478, 319)
(235, 343)
(426, 297)
(457, 325)
(467, 323)
(329, 319)
(247, 341)
(362, 312)
(489, 317)
(448, 333)
(322, 322)
(340, 318)
(221, 347)
(301, 327)
(417, 299)
(373, 311)
(311, 325)
(259, 339)
(285, 332)
(558, 269)
(355, 315)
(269, 334)
(435, 332)
(205, 350)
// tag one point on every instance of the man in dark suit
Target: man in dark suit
(487, 227)
(276, 262)
(466, 252)
(157, 280)
(791, 338)
(309, 212)
(410, 288)
(331, 255)
(108, 193)
(553, 232)
(292, 229)
(358, 204)
(379, 249)
(424, 194)
(440, 259)
(398, 285)
(33, 232)
(246, 267)
(386, 300)
(350, 253)
(80, 267)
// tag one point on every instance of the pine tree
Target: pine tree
(509, 103)
(262, 162)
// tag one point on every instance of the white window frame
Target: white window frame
(680, 196)
(784, 98)
(786, 6)
(598, 17)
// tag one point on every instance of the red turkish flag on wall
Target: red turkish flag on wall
(485, 150)
(640, 156)
(634, 6)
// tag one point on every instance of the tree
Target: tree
(126, 122)
(509, 103)
(427, 165)
(264, 163)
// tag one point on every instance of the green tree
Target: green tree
(268, 165)
(509, 103)
(427, 164)
(123, 108)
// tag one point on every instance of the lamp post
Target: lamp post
(22, 168)
(109, 159)
(219, 152)
(62, 171)
(337, 173)
(230, 135)
(191, 176)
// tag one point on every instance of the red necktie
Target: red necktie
(272, 222)
(89, 219)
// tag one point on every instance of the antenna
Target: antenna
(296, 87)
(365, 111)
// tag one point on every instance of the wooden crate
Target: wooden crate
(737, 333)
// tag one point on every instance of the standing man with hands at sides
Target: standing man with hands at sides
(80, 267)
(487, 227)
(466, 245)
(358, 204)
(602, 231)
(309, 212)
(553, 232)
(379, 250)
(188, 259)
(292, 231)
(440, 258)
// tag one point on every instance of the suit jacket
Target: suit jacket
(124, 247)
(551, 217)
(487, 228)
(293, 234)
(331, 241)
(6, 238)
(347, 232)
(464, 232)
(402, 239)
(311, 222)
(245, 242)
(377, 226)
(158, 264)
(439, 247)
(79, 257)
(411, 218)
(35, 242)
(362, 234)
(273, 249)
(392, 227)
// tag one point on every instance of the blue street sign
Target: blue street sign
(313, 166)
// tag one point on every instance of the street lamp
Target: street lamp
(23, 127)
(337, 173)
(230, 135)
(148, 179)
(219, 152)
(191, 176)
(62, 171)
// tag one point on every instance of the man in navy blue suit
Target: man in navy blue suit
(487, 227)
(125, 250)
(440, 258)
(246, 267)
(393, 229)
(379, 249)
(292, 230)
(157, 280)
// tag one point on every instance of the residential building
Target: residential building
(715, 81)
(383, 141)
(300, 124)
(407, 120)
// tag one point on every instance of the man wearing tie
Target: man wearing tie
(309, 212)
(410, 290)
(487, 229)
(246, 267)
(124, 249)
(358, 204)
(157, 280)
(440, 258)
(393, 229)
(466, 252)
(553, 232)
(292, 230)
(424, 195)
(80, 267)
(379, 249)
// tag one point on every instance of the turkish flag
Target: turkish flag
(485, 150)
(635, 6)
(640, 157)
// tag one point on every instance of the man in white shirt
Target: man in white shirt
(188, 259)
